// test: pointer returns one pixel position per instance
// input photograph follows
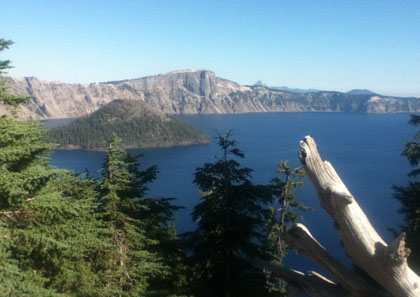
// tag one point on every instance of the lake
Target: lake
(364, 149)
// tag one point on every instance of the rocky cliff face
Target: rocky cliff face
(191, 92)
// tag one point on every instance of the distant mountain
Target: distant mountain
(134, 122)
(192, 92)
(284, 88)
(287, 89)
(361, 92)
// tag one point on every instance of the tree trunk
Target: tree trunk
(387, 264)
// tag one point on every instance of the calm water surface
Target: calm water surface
(364, 149)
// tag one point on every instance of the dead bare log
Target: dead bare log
(387, 264)
(301, 239)
(312, 283)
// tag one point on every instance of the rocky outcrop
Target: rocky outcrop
(191, 92)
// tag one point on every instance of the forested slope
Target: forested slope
(133, 121)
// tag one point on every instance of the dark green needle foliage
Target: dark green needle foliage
(47, 216)
(409, 196)
(128, 264)
(14, 281)
(285, 213)
(283, 216)
(5, 97)
(139, 229)
(231, 220)
(48, 212)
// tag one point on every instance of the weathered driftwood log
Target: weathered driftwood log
(387, 264)
(353, 284)
(312, 283)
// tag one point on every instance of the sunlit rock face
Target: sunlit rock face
(191, 92)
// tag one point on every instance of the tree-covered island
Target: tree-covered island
(136, 124)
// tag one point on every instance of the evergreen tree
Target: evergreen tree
(231, 222)
(129, 264)
(282, 217)
(14, 281)
(409, 196)
(158, 222)
(47, 215)
(140, 229)
(5, 97)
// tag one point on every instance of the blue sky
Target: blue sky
(331, 45)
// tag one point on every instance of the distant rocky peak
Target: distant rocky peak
(361, 92)
(259, 84)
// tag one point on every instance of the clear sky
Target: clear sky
(329, 44)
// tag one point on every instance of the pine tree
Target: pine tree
(129, 263)
(50, 213)
(231, 222)
(144, 259)
(409, 196)
(283, 216)
(156, 218)
(5, 97)
(47, 215)
(14, 281)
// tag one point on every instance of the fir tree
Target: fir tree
(140, 229)
(409, 196)
(230, 227)
(14, 281)
(283, 216)
(50, 213)
(46, 214)
(5, 97)
(129, 264)
(156, 218)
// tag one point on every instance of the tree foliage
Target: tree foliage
(48, 214)
(409, 196)
(230, 230)
(125, 275)
(139, 227)
(5, 97)
(283, 215)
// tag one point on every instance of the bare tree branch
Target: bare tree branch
(312, 283)
(302, 240)
(387, 264)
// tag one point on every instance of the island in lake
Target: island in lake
(133, 121)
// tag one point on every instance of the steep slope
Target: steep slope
(133, 121)
(192, 92)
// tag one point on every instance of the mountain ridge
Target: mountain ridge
(286, 88)
(191, 92)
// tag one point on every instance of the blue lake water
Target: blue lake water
(364, 149)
